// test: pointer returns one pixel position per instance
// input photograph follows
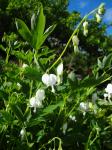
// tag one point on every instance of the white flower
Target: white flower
(33, 102)
(98, 18)
(40, 94)
(60, 69)
(53, 79)
(45, 79)
(49, 80)
(73, 118)
(85, 32)
(108, 89)
(75, 40)
(36, 103)
(101, 9)
(85, 25)
(24, 66)
(83, 106)
(19, 85)
(22, 133)
(105, 95)
(59, 73)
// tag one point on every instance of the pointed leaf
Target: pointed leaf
(38, 29)
(18, 112)
(47, 33)
(23, 30)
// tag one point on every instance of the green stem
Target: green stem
(75, 31)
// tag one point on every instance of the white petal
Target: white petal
(33, 102)
(53, 79)
(40, 94)
(60, 69)
(83, 106)
(85, 24)
(108, 89)
(46, 79)
(75, 40)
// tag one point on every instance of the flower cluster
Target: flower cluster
(36, 101)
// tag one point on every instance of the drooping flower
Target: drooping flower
(60, 69)
(75, 41)
(59, 73)
(36, 101)
(85, 26)
(40, 94)
(49, 80)
(73, 118)
(98, 18)
(105, 95)
(83, 106)
(22, 133)
(108, 89)
(101, 9)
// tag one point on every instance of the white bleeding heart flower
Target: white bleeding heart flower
(108, 89)
(40, 94)
(84, 106)
(45, 79)
(35, 102)
(49, 80)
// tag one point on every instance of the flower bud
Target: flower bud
(101, 9)
(75, 40)
(85, 25)
(59, 73)
(85, 32)
(98, 18)
(60, 69)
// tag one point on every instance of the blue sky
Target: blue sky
(85, 6)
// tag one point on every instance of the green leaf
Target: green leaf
(93, 81)
(38, 26)
(17, 111)
(51, 108)
(47, 32)
(23, 30)
(32, 73)
(107, 61)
